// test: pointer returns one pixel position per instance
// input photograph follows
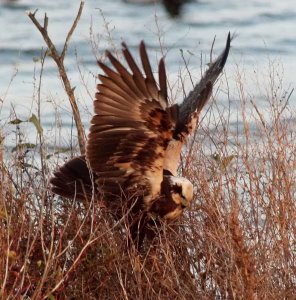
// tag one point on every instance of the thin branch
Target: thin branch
(72, 29)
(59, 60)
(186, 66)
(43, 31)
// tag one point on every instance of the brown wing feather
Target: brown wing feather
(162, 79)
(128, 79)
(131, 62)
(150, 80)
(148, 83)
(116, 77)
(131, 128)
(146, 64)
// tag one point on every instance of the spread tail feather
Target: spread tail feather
(73, 180)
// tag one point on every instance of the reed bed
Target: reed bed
(237, 241)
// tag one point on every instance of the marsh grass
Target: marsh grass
(237, 241)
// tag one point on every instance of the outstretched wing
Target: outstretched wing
(192, 105)
(190, 108)
(131, 127)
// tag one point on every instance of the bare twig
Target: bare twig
(72, 29)
(59, 60)
(186, 66)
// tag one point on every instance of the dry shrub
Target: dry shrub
(236, 242)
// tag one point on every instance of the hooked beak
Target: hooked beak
(184, 203)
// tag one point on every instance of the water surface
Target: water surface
(265, 41)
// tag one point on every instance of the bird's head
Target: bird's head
(178, 193)
(181, 191)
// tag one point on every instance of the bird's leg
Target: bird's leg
(138, 230)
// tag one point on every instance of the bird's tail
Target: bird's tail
(74, 180)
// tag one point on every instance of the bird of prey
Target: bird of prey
(135, 141)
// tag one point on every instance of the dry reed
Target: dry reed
(236, 242)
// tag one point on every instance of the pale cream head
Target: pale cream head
(183, 194)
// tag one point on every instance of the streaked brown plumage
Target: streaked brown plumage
(134, 143)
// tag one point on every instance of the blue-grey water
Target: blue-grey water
(265, 42)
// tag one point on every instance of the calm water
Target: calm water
(265, 32)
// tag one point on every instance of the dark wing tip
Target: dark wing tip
(108, 53)
(143, 51)
(123, 44)
(142, 44)
(146, 63)
(100, 64)
(225, 53)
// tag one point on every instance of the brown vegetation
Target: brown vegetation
(237, 241)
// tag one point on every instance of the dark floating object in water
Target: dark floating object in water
(134, 144)
(8, 1)
(173, 7)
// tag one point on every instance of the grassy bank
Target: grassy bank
(237, 241)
